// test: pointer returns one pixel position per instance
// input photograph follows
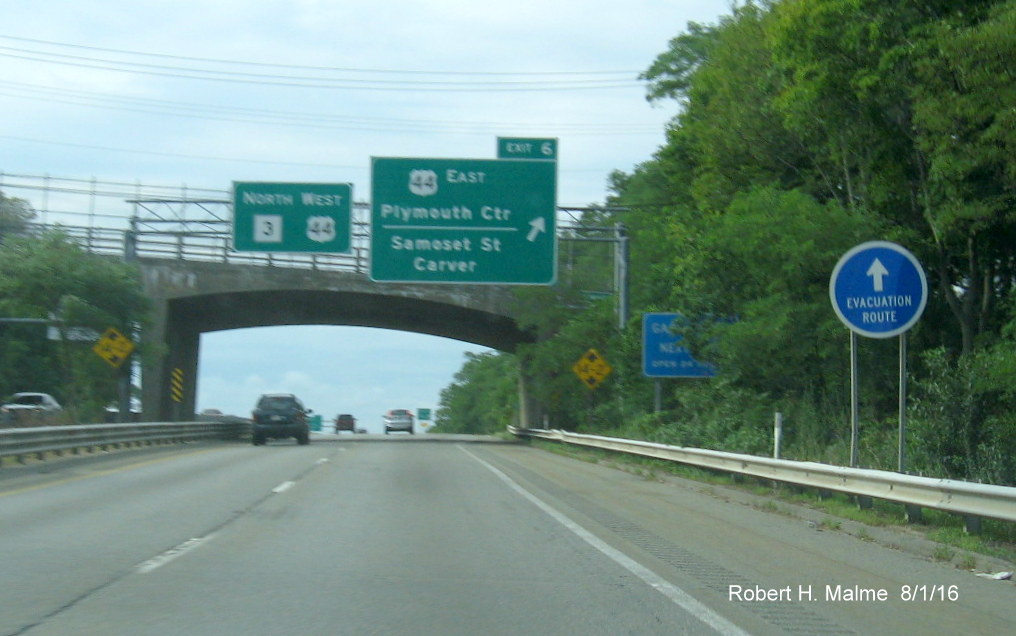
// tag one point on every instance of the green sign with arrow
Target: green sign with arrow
(483, 221)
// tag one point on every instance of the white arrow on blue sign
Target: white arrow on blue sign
(878, 289)
(663, 355)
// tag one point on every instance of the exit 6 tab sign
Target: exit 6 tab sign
(482, 221)
(292, 217)
(526, 148)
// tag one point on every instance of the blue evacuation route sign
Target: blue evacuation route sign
(878, 289)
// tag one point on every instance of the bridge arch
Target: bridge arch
(193, 297)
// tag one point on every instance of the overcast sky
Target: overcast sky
(200, 94)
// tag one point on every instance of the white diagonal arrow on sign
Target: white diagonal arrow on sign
(539, 224)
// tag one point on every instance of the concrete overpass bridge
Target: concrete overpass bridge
(181, 238)
(193, 297)
(199, 284)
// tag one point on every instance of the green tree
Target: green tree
(15, 214)
(966, 131)
(548, 364)
(803, 127)
(51, 277)
(483, 398)
(728, 135)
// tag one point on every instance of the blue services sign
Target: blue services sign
(878, 289)
(663, 355)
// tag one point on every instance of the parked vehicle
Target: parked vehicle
(345, 422)
(112, 411)
(27, 407)
(399, 420)
(280, 415)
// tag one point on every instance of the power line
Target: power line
(304, 81)
(624, 73)
(292, 118)
(179, 155)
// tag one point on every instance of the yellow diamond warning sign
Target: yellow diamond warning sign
(113, 347)
(592, 368)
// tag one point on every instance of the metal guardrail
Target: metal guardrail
(24, 442)
(961, 497)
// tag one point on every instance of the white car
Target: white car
(27, 405)
(398, 420)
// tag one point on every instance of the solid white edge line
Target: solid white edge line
(661, 585)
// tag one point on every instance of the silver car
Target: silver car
(399, 420)
(23, 407)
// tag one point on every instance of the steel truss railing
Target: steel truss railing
(169, 235)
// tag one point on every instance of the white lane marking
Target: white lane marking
(185, 547)
(171, 554)
(283, 487)
(661, 585)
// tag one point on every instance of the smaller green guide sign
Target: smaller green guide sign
(292, 217)
(526, 148)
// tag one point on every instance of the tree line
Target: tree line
(802, 128)
(46, 276)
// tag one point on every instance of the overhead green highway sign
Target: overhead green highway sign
(292, 217)
(483, 221)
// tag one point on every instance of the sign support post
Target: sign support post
(902, 458)
(855, 427)
(878, 290)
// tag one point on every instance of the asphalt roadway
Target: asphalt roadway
(426, 535)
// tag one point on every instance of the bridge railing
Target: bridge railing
(208, 246)
(217, 248)
(211, 240)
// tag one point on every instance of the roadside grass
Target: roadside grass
(997, 538)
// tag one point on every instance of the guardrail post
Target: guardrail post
(912, 513)
(777, 434)
(972, 524)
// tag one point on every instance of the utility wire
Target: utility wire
(623, 73)
(305, 81)
(291, 118)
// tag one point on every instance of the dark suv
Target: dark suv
(279, 415)
(345, 422)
